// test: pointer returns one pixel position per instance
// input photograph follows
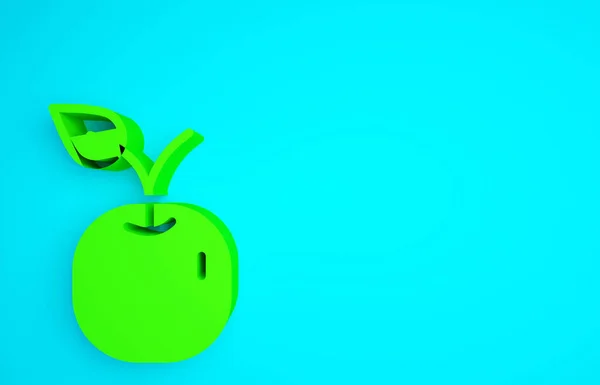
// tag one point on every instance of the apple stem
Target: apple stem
(156, 176)
(149, 214)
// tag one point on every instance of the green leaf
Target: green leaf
(89, 148)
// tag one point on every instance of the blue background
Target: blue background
(413, 186)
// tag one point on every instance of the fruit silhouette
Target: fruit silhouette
(154, 282)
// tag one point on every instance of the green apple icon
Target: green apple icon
(152, 282)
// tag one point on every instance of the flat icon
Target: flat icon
(152, 282)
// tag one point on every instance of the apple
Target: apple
(146, 294)
(155, 282)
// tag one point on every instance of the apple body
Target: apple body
(146, 295)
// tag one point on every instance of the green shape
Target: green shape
(156, 176)
(145, 294)
(98, 147)
(152, 283)
(119, 148)
(88, 148)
